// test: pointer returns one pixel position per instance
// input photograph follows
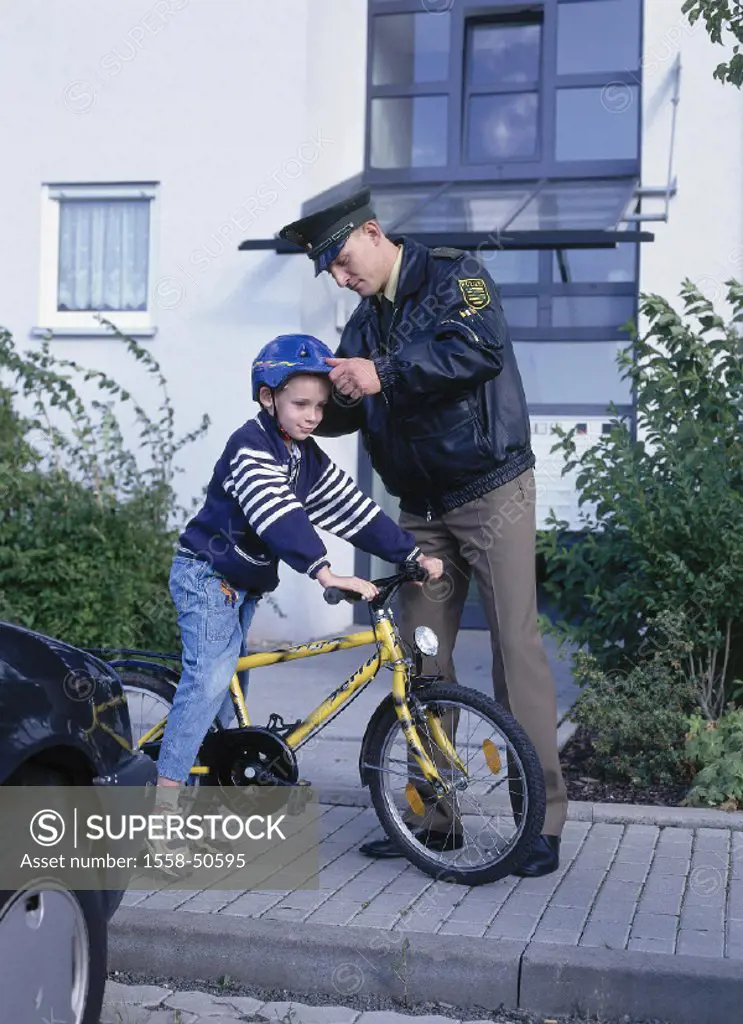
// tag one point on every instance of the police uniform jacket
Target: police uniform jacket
(452, 420)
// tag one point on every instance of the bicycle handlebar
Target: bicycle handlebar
(409, 572)
(333, 595)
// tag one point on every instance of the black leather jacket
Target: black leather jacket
(452, 421)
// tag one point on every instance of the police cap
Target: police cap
(323, 234)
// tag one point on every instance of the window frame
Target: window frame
(545, 289)
(545, 165)
(504, 88)
(84, 323)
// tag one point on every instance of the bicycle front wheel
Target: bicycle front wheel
(485, 827)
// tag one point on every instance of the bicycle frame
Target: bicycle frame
(389, 651)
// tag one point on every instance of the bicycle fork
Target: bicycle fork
(436, 732)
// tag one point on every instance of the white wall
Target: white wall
(334, 95)
(703, 239)
(218, 100)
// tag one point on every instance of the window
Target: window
(488, 91)
(511, 266)
(596, 37)
(96, 258)
(567, 311)
(410, 48)
(409, 66)
(406, 132)
(610, 266)
(520, 312)
(597, 124)
(565, 373)
(611, 311)
(501, 101)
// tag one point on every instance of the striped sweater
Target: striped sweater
(264, 502)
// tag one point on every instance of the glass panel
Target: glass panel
(390, 206)
(467, 208)
(103, 254)
(592, 310)
(408, 131)
(597, 124)
(569, 372)
(520, 312)
(503, 53)
(598, 37)
(502, 126)
(575, 206)
(410, 48)
(513, 266)
(604, 265)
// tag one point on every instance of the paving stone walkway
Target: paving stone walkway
(619, 886)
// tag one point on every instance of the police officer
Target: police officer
(426, 371)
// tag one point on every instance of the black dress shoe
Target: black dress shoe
(543, 859)
(440, 842)
(381, 849)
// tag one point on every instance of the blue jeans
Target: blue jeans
(214, 618)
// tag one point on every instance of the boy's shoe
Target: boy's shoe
(163, 857)
(172, 856)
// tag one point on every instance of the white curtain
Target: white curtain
(103, 254)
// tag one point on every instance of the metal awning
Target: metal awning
(545, 214)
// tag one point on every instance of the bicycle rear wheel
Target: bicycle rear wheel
(149, 699)
(487, 825)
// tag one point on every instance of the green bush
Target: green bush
(637, 721)
(87, 528)
(663, 512)
(715, 749)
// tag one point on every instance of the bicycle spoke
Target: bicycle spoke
(474, 826)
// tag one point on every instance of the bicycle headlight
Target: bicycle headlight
(426, 641)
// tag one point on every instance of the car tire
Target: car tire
(36, 978)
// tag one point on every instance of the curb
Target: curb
(578, 810)
(345, 962)
(617, 983)
(318, 959)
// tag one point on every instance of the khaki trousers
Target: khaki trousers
(492, 538)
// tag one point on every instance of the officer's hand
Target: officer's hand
(433, 566)
(355, 377)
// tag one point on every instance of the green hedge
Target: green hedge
(87, 527)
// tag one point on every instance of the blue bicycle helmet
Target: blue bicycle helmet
(286, 356)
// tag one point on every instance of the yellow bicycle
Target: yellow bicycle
(431, 753)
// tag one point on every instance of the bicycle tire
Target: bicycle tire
(137, 679)
(533, 778)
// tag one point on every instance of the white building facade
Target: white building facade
(145, 143)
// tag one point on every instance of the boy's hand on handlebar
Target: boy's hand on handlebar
(326, 578)
(433, 566)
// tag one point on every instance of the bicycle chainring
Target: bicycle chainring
(249, 757)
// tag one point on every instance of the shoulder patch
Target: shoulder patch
(474, 291)
(443, 252)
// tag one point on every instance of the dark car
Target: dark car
(63, 722)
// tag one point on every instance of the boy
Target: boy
(269, 489)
